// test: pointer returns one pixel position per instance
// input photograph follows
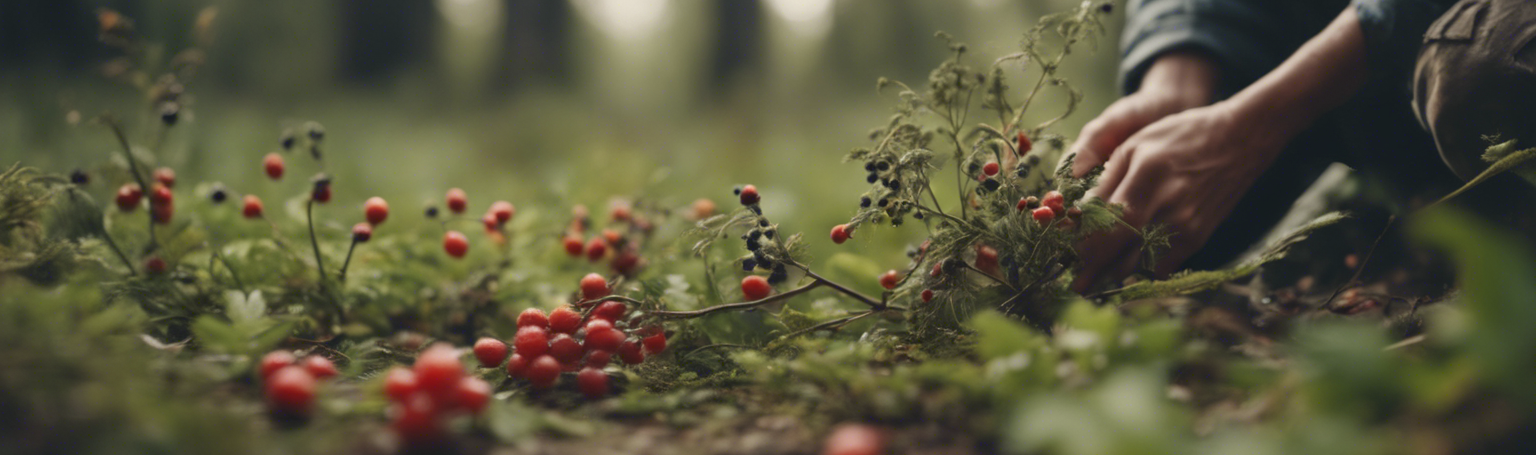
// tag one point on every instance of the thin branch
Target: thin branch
(309, 215)
(832, 324)
(738, 306)
(988, 275)
(843, 289)
(133, 168)
(346, 263)
(113, 245)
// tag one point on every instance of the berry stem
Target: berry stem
(133, 169)
(831, 324)
(309, 215)
(739, 306)
(346, 263)
(113, 245)
(874, 304)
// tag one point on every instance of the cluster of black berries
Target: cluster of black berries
(756, 238)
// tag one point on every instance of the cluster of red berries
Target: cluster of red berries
(621, 250)
(1049, 208)
(430, 392)
(565, 341)
(162, 202)
(290, 382)
(495, 220)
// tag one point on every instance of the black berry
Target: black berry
(287, 140)
(869, 167)
(169, 113)
(79, 177)
(219, 195)
(872, 178)
(748, 264)
(991, 184)
(432, 212)
(864, 202)
(885, 202)
(769, 234)
(736, 190)
(883, 166)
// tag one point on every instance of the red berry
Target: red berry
(128, 197)
(1027, 203)
(1024, 145)
(400, 383)
(612, 237)
(598, 324)
(607, 339)
(565, 349)
(625, 262)
(1056, 202)
(1074, 213)
(593, 383)
(599, 359)
(543, 372)
(889, 279)
(596, 249)
(573, 246)
(531, 342)
(1044, 215)
(854, 439)
(491, 225)
(611, 310)
(654, 344)
(376, 210)
(321, 193)
(416, 421)
(703, 208)
(320, 367)
(473, 394)
(162, 211)
(755, 288)
(938, 270)
(927, 295)
(629, 351)
(986, 258)
(291, 390)
(457, 200)
(532, 317)
(990, 169)
(361, 232)
(517, 366)
(564, 320)
(160, 194)
(594, 286)
(252, 207)
(490, 352)
(275, 360)
(619, 212)
(154, 265)
(503, 211)
(274, 165)
(841, 234)
(438, 368)
(749, 195)
(166, 177)
(455, 244)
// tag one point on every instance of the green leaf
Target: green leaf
(1496, 273)
(242, 308)
(1000, 336)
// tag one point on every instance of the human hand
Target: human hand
(1177, 81)
(1187, 172)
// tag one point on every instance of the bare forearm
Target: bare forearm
(1323, 74)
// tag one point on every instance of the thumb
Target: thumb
(1104, 134)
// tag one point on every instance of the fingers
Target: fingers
(1103, 135)
(1098, 253)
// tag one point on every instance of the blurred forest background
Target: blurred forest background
(543, 102)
